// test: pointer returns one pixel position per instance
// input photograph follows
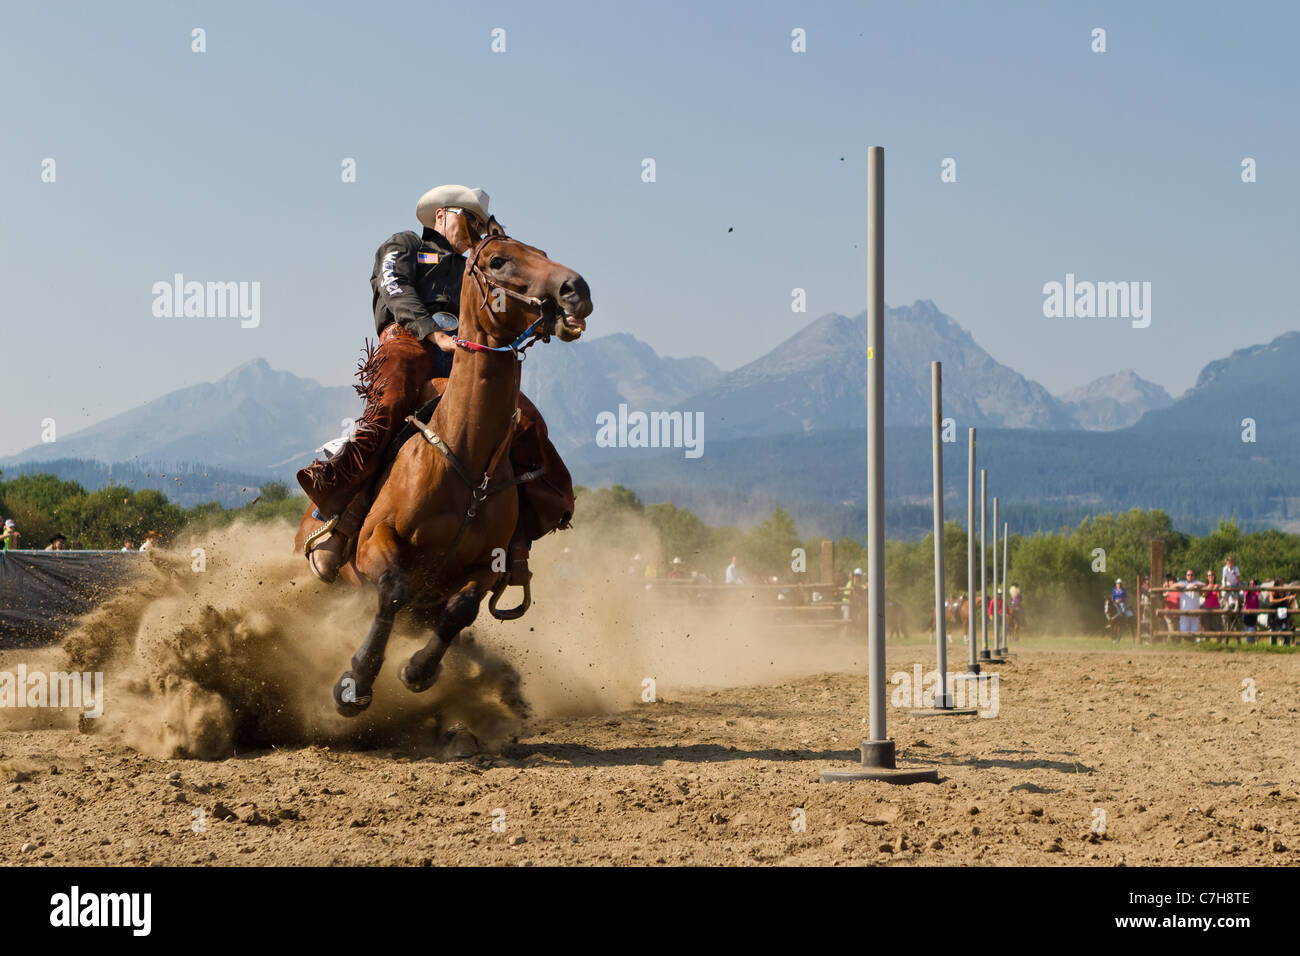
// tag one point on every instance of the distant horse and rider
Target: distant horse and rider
(1120, 619)
(956, 615)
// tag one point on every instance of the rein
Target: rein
(480, 492)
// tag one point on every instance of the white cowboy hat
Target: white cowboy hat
(471, 200)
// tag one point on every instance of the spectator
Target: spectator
(1210, 602)
(1230, 577)
(852, 587)
(1250, 607)
(57, 543)
(1171, 602)
(677, 572)
(128, 545)
(1189, 600)
(152, 541)
(733, 573)
(10, 535)
(1278, 603)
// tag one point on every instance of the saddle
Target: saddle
(423, 415)
(546, 501)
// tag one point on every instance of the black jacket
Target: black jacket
(413, 278)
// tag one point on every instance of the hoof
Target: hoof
(347, 701)
(461, 744)
(414, 682)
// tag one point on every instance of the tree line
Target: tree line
(44, 505)
(1065, 575)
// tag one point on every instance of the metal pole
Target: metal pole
(1006, 589)
(876, 443)
(878, 758)
(972, 665)
(994, 612)
(942, 699)
(984, 618)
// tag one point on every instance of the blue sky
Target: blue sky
(225, 165)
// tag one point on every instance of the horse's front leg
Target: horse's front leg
(354, 690)
(457, 614)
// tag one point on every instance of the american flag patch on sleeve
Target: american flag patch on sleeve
(430, 257)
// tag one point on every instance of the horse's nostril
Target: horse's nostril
(574, 290)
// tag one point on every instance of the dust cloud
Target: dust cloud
(241, 649)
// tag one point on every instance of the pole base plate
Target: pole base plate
(885, 775)
(943, 712)
(878, 764)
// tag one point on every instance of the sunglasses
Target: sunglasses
(472, 221)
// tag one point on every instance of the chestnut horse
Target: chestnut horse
(955, 614)
(435, 538)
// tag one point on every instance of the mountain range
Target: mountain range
(254, 419)
(263, 423)
(1115, 401)
(816, 380)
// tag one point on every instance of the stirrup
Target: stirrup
(319, 533)
(513, 613)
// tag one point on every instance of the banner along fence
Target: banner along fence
(42, 593)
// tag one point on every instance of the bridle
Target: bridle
(526, 339)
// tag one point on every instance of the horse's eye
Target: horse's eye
(496, 262)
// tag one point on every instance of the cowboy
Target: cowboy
(416, 298)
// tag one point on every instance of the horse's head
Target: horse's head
(510, 287)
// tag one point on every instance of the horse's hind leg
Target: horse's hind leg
(354, 690)
(457, 614)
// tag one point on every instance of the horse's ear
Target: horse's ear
(495, 228)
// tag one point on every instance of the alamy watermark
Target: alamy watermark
(651, 430)
(79, 690)
(918, 689)
(1098, 300)
(208, 300)
(128, 910)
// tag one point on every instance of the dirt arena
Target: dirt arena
(1095, 757)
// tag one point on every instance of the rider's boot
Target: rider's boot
(518, 560)
(325, 556)
(331, 484)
